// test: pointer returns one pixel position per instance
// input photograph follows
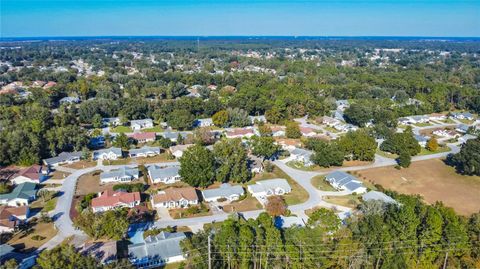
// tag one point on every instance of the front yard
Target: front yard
(81, 164)
(32, 238)
(190, 212)
(440, 149)
(320, 183)
(121, 129)
(347, 200)
(248, 204)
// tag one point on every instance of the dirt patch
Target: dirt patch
(433, 180)
(81, 164)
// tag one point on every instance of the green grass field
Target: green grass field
(121, 129)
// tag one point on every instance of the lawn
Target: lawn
(179, 213)
(81, 164)
(25, 241)
(424, 124)
(58, 175)
(121, 129)
(49, 205)
(155, 159)
(247, 204)
(331, 129)
(433, 180)
(298, 194)
(386, 154)
(440, 149)
(90, 183)
(347, 200)
(465, 121)
(122, 161)
(155, 129)
(320, 183)
(299, 165)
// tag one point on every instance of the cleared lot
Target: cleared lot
(433, 180)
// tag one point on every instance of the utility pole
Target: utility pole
(445, 261)
(209, 252)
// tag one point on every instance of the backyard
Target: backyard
(30, 240)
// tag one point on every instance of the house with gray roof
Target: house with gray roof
(111, 121)
(346, 182)
(157, 250)
(378, 196)
(174, 135)
(69, 100)
(422, 140)
(167, 175)
(144, 151)
(107, 154)
(264, 188)
(462, 115)
(137, 125)
(207, 122)
(123, 174)
(302, 155)
(257, 119)
(63, 158)
(225, 191)
(462, 128)
(21, 195)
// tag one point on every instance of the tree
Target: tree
(180, 119)
(220, 118)
(97, 121)
(264, 147)
(404, 159)
(330, 154)
(432, 144)
(467, 161)
(197, 166)
(359, 145)
(238, 117)
(399, 142)
(276, 206)
(273, 115)
(264, 130)
(293, 130)
(358, 114)
(65, 257)
(122, 141)
(232, 161)
(325, 219)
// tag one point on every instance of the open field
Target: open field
(433, 180)
(320, 183)
(81, 164)
(31, 240)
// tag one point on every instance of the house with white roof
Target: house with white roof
(178, 150)
(302, 155)
(462, 115)
(446, 133)
(157, 250)
(422, 140)
(138, 125)
(257, 119)
(167, 175)
(123, 174)
(225, 191)
(345, 182)
(107, 154)
(144, 151)
(111, 121)
(207, 122)
(264, 188)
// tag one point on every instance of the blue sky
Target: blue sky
(35, 18)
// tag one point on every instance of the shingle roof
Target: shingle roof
(224, 190)
(163, 172)
(32, 172)
(63, 157)
(111, 198)
(121, 172)
(145, 149)
(117, 151)
(175, 194)
(270, 184)
(344, 179)
(25, 190)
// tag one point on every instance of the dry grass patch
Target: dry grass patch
(248, 204)
(433, 180)
(155, 159)
(90, 183)
(81, 164)
(31, 240)
(58, 175)
(351, 200)
(320, 183)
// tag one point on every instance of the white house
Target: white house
(344, 181)
(264, 188)
(111, 121)
(446, 133)
(257, 119)
(107, 154)
(21, 195)
(178, 150)
(144, 151)
(63, 158)
(422, 140)
(167, 175)
(302, 155)
(207, 122)
(123, 174)
(137, 125)
(109, 200)
(225, 191)
(462, 115)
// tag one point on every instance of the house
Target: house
(141, 124)
(378, 196)
(462, 115)
(307, 131)
(104, 252)
(462, 128)
(97, 142)
(225, 191)
(144, 137)
(446, 133)
(33, 174)
(344, 181)
(173, 136)
(69, 100)
(63, 158)
(255, 164)
(277, 131)
(124, 174)
(302, 155)
(49, 84)
(422, 140)
(111, 121)
(157, 250)
(345, 127)
(288, 222)
(203, 122)
(21, 195)
(175, 197)
(167, 175)
(342, 104)
(338, 115)
(257, 119)
(24, 260)
(109, 200)
(329, 121)
(419, 119)
(144, 151)
(264, 188)
(178, 150)
(107, 154)
(466, 137)
(240, 133)
(11, 217)
(437, 116)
